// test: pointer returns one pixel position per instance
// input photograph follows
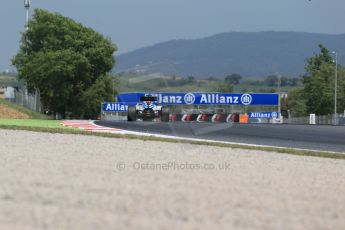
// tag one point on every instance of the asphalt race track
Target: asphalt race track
(325, 138)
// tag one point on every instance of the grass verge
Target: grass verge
(31, 114)
(33, 123)
(62, 130)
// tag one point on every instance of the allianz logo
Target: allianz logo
(204, 98)
(264, 115)
(115, 107)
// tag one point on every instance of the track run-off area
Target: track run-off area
(310, 137)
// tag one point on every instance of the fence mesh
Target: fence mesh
(319, 120)
(31, 101)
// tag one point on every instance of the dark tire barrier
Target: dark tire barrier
(175, 117)
(189, 117)
(165, 114)
(220, 118)
(233, 118)
(205, 117)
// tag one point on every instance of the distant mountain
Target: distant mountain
(252, 54)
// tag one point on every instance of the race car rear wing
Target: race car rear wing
(146, 98)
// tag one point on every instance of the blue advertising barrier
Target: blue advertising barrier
(267, 115)
(268, 99)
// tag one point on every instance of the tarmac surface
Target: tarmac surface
(325, 138)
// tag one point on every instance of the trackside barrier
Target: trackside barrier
(233, 117)
(195, 117)
(175, 117)
(201, 117)
(219, 117)
(215, 118)
(244, 119)
(312, 119)
(204, 117)
(184, 118)
(199, 106)
(118, 111)
(319, 120)
(228, 118)
(172, 117)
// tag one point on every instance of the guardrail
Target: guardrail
(319, 120)
(192, 116)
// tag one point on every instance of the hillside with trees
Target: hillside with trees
(248, 54)
(131, 82)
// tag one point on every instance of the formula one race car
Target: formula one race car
(147, 110)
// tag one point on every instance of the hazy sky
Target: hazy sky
(136, 23)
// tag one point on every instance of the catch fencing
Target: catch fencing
(21, 96)
(319, 120)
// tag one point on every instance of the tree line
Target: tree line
(270, 81)
(67, 63)
(317, 94)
